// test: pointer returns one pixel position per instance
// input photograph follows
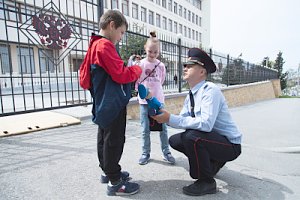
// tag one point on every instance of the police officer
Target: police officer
(211, 138)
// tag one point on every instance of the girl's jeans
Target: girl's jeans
(146, 143)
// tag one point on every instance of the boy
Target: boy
(104, 74)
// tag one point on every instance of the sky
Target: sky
(257, 29)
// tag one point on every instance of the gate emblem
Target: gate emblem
(48, 28)
(53, 32)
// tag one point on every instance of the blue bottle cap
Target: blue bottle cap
(143, 91)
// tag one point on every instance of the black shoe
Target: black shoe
(124, 176)
(216, 166)
(200, 187)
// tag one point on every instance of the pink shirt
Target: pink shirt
(155, 81)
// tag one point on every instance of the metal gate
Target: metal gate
(42, 46)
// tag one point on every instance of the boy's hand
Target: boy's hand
(164, 117)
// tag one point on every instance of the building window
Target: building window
(184, 13)
(193, 34)
(125, 7)
(196, 3)
(26, 14)
(143, 14)
(170, 5)
(189, 15)
(76, 25)
(170, 25)
(197, 36)
(12, 12)
(26, 60)
(175, 8)
(193, 17)
(158, 2)
(200, 21)
(164, 23)
(189, 33)
(196, 19)
(164, 46)
(46, 60)
(1, 71)
(84, 29)
(114, 4)
(180, 10)
(76, 64)
(185, 32)
(175, 27)
(158, 20)
(180, 28)
(105, 3)
(151, 17)
(4, 59)
(135, 11)
(1, 10)
(164, 3)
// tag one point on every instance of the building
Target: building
(43, 39)
(190, 18)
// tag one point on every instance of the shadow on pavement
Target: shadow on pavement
(230, 185)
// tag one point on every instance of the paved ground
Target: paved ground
(29, 122)
(61, 163)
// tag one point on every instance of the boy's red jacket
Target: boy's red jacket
(102, 53)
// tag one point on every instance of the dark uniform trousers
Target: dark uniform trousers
(202, 149)
(110, 144)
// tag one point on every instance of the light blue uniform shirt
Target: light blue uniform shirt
(211, 113)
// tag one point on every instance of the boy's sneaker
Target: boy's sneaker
(169, 158)
(124, 176)
(123, 188)
(144, 159)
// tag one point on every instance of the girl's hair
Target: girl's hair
(115, 16)
(152, 39)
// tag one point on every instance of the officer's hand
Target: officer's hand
(164, 117)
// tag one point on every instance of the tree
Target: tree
(278, 65)
(132, 44)
(267, 63)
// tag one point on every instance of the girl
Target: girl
(152, 77)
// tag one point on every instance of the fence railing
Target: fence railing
(36, 78)
(230, 71)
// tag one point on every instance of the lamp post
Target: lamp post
(298, 84)
(100, 9)
(179, 36)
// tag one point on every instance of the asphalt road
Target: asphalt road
(61, 163)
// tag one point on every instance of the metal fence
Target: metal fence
(230, 71)
(42, 45)
(44, 42)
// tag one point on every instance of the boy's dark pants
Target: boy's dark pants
(110, 144)
(201, 148)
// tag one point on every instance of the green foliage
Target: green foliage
(278, 65)
(132, 44)
(266, 62)
(287, 96)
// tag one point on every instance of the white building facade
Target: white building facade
(189, 18)
(26, 48)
